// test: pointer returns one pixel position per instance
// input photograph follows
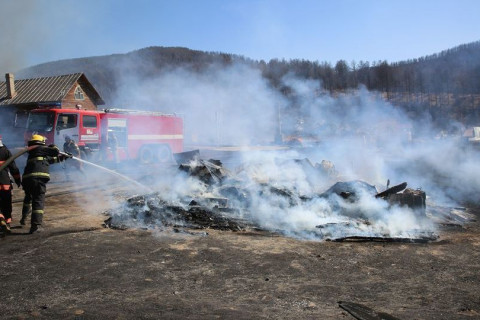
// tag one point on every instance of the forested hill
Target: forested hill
(105, 71)
(446, 83)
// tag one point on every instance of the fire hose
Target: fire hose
(15, 156)
(66, 155)
(27, 149)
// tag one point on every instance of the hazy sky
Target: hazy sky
(36, 31)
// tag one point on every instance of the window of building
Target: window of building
(89, 121)
(79, 93)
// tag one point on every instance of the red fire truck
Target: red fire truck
(145, 136)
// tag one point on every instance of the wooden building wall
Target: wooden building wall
(69, 102)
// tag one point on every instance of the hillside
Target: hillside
(105, 71)
(446, 85)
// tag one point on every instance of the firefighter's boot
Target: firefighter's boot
(4, 229)
(25, 212)
(9, 220)
(35, 228)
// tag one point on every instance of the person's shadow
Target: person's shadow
(18, 233)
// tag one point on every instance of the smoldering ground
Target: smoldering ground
(365, 137)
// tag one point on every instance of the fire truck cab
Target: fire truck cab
(147, 137)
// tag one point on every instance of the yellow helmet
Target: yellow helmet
(37, 139)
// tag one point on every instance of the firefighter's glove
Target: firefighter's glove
(63, 156)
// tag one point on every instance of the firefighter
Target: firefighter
(113, 144)
(70, 147)
(35, 178)
(6, 187)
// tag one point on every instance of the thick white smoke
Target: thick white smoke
(306, 214)
(220, 106)
(365, 137)
(28, 32)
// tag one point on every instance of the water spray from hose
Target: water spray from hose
(112, 172)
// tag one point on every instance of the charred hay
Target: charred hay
(152, 211)
(230, 203)
(207, 171)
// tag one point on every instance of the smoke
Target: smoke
(23, 31)
(31, 31)
(365, 137)
(220, 106)
(15, 43)
(36, 31)
(295, 203)
(368, 138)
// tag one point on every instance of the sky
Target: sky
(37, 31)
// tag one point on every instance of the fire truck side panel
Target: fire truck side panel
(67, 124)
(89, 129)
(83, 126)
(117, 125)
(157, 130)
(146, 137)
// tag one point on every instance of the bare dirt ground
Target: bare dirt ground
(76, 269)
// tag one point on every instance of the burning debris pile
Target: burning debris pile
(252, 199)
(151, 210)
(412, 202)
(194, 211)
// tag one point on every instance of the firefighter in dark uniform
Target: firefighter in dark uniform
(113, 144)
(6, 187)
(70, 147)
(35, 178)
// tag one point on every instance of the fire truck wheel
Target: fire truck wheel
(146, 155)
(163, 154)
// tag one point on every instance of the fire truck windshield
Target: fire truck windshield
(41, 121)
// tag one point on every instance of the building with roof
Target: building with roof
(18, 97)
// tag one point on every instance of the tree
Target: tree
(341, 74)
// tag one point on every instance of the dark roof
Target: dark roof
(45, 90)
